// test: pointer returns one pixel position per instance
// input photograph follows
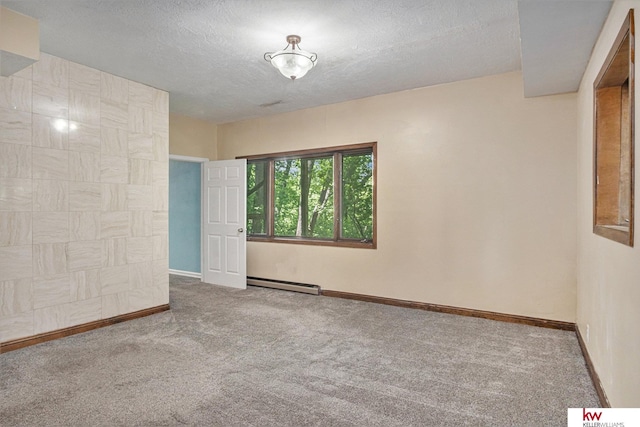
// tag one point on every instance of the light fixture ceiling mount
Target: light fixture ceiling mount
(292, 62)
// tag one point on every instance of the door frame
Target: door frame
(201, 160)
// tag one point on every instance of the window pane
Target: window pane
(357, 196)
(304, 197)
(257, 197)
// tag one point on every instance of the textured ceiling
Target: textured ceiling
(209, 53)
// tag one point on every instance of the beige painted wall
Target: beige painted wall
(19, 34)
(476, 196)
(608, 272)
(192, 137)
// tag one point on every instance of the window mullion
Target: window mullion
(271, 191)
(337, 195)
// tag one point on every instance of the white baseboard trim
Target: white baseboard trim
(185, 273)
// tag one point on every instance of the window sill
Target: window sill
(314, 242)
(617, 233)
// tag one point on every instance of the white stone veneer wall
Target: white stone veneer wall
(83, 197)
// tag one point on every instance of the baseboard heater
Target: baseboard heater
(286, 286)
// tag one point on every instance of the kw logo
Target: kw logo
(590, 416)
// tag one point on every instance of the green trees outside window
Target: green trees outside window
(357, 196)
(304, 197)
(257, 188)
(314, 196)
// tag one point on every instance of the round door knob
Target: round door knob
(240, 230)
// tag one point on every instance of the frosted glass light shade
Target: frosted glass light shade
(292, 62)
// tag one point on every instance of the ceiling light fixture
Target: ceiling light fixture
(292, 62)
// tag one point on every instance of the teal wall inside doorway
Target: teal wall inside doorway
(184, 215)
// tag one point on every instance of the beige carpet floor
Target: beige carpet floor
(262, 357)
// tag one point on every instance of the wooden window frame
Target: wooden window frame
(337, 152)
(614, 139)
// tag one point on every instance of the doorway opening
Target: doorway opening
(185, 210)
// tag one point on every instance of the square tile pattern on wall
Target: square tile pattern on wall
(83, 200)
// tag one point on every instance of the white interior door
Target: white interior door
(224, 247)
